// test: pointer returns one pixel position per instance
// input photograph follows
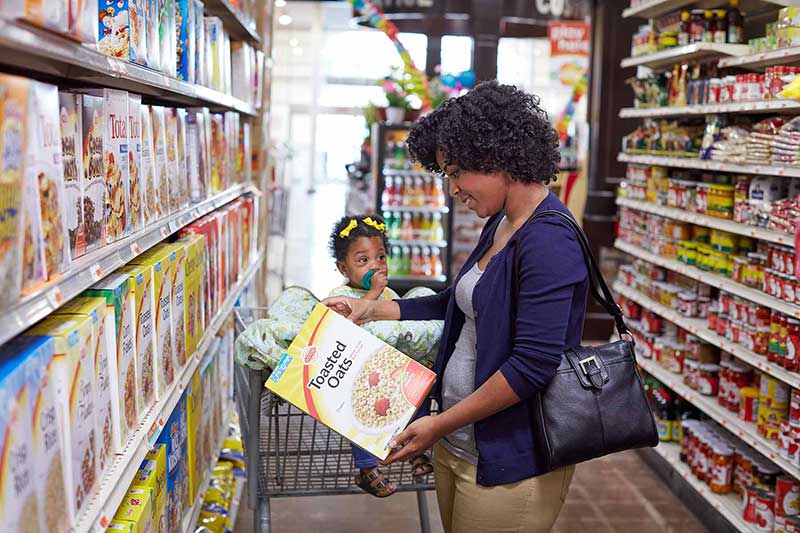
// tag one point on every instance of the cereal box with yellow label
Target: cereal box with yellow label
(137, 509)
(351, 381)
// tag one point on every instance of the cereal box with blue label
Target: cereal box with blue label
(121, 29)
(351, 381)
(174, 437)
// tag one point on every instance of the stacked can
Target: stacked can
(789, 438)
(773, 406)
(787, 502)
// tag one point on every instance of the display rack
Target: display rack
(239, 28)
(52, 55)
(715, 280)
(667, 58)
(655, 8)
(781, 56)
(713, 166)
(728, 505)
(755, 107)
(114, 485)
(698, 327)
(754, 232)
(92, 267)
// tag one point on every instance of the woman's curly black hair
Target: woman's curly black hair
(339, 246)
(491, 128)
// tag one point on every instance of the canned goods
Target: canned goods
(773, 393)
(794, 444)
(785, 440)
(792, 524)
(764, 512)
(749, 504)
(790, 361)
(787, 496)
(748, 404)
(769, 421)
(794, 405)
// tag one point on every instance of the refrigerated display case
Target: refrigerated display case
(417, 210)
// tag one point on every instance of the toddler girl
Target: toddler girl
(358, 244)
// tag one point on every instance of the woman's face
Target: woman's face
(363, 255)
(482, 192)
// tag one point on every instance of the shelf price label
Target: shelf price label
(96, 272)
(136, 249)
(55, 297)
(164, 231)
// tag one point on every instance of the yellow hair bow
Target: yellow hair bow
(380, 227)
(350, 227)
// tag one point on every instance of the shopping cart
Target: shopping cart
(288, 453)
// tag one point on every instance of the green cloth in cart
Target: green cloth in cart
(262, 343)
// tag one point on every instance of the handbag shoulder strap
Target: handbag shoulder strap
(596, 281)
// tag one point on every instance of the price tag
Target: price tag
(96, 272)
(55, 297)
(197, 356)
(180, 387)
(104, 521)
(136, 249)
(182, 221)
(164, 232)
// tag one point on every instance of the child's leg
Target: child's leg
(362, 458)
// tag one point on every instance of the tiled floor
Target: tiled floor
(616, 493)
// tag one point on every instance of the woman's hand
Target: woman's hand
(419, 436)
(357, 310)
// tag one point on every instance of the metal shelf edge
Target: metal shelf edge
(760, 106)
(714, 166)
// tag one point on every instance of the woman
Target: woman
(498, 150)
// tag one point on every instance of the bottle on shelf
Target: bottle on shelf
(709, 26)
(407, 228)
(405, 261)
(721, 27)
(419, 192)
(427, 186)
(408, 192)
(435, 262)
(392, 225)
(425, 262)
(388, 192)
(394, 260)
(399, 191)
(735, 23)
(697, 26)
(416, 262)
(437, 198)
(416, 224)
(425, 227)
(436, 232)
(683, 32)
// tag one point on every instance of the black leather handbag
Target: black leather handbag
(596, 404)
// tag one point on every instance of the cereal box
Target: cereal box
(44, 169)
(161, 175)
(195, 289)
(173, 168)
(137, 192)
(19, 497)
(151, 29)
(244, 155)
(82, 21)
(199, 44)
(33, 262)
(122, 30)
(351, 381)
(208, 382)
(219, 153)
(118, 292)
(145, 327)
(185, 27)
(147, 479)
(46, 434)
(147, 180)
(179, 302)
(74, 377)
(232, 147)
(194, 408)
(258, 78)
(200, 118)
(72, 158)
(105, 364)
(94, 181)
(241, 71)
(181, 156)
(156, 461)
(123, 526)
(214, 36)
(174, 437)
(166, 36)
(194, 163)
(163, 258)
(208, 228)
(50, 15)
(137, 508)
(13, 109)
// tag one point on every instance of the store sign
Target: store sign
(569, 50)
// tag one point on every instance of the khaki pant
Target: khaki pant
(528, 506)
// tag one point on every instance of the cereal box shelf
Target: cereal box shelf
(114, 484)
(716, 166)
(239, 28)
(53, 55)
(755, 107)
(709, 222)
(89, 269)
(698, 327)
(715, 280)
(745, 431)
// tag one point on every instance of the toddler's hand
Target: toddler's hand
(378, 284)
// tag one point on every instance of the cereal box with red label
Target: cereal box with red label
(118, 293)
(137, 192)
(121, 29)
(93, 189)
(13, 108)
(161, 175)
(19, 498)
(351, 381)
(145, 327)
(74, 376)
(72, 158)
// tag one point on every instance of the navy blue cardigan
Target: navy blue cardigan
(552, 304)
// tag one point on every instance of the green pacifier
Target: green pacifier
(366, 281)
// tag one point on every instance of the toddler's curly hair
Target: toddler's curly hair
(339, 246)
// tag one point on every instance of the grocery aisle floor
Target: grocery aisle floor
(616, 493)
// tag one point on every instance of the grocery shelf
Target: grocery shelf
(754, 107)
(708, 404)
(114, 485)
(714, 166)
(671, 56)
(728, 505)
(656, 8)
(709, 222)
(87, 270)
(409, 173)
(414, 209)
(697, 327)
(190, 518)
(781, 56)
(237, 26)
(715, 280)
(417, 242)
(53, 55)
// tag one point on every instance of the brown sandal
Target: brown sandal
(421, 466)
(375, 483)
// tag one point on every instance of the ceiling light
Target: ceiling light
(293, 42)
(284, 20)
(280, 3)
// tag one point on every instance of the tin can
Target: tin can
(764, 512)
(748, 404)
(785, 440)
(794, 405)
(787, 496)
(794, 444)
(749, 504)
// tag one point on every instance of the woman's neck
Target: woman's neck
(522, 200)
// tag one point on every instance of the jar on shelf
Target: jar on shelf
(691, 373)
(703, 306)
(748, 404)
(687, 304)
(721, 479)
(739, 377)
(708, 379)
(790, 361)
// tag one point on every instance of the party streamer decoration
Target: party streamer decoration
(565, 117)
